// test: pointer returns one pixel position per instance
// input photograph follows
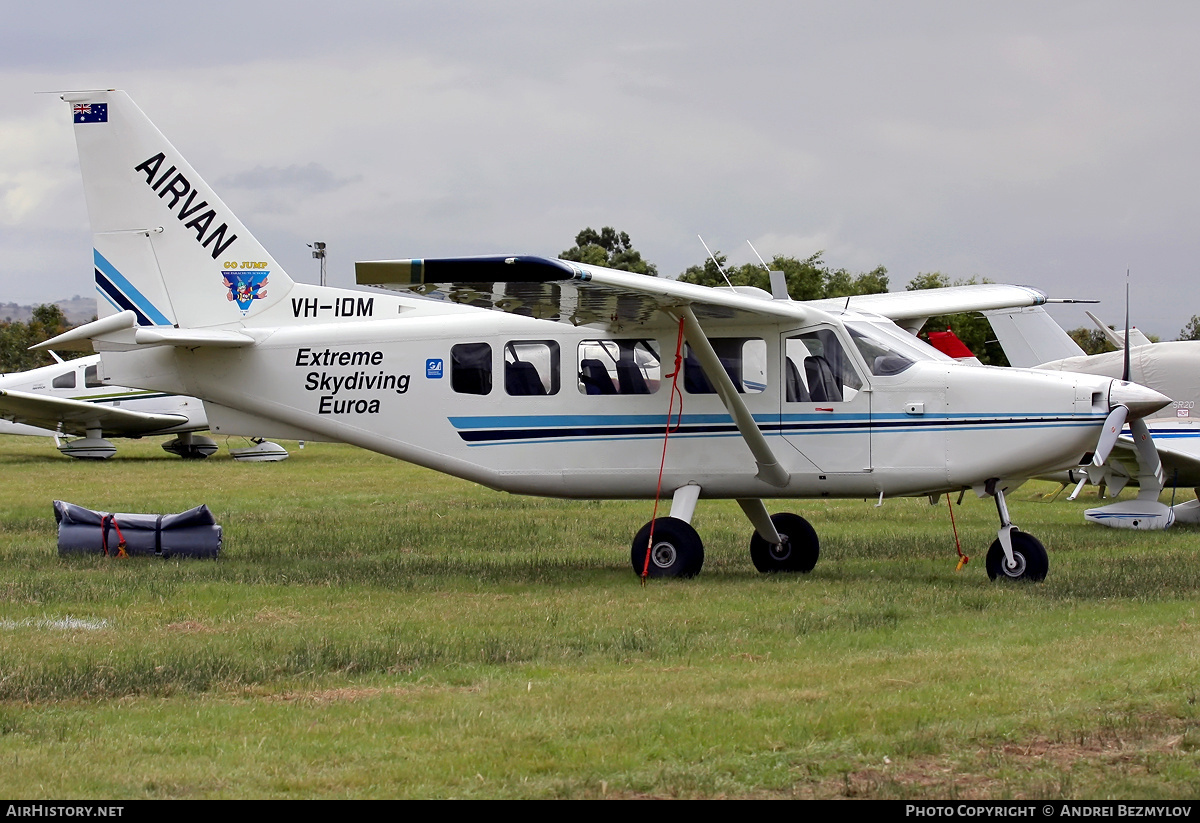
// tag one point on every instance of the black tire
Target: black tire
(1029, 554)
(798, 552)
(678, 550)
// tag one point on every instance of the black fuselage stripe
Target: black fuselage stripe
(500, 435)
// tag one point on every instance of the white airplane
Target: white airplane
(1165, 446)
(68, 398)
(545, 377)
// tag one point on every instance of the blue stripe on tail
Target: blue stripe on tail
(123, 295)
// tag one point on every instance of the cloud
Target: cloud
(312, 178)
(1050, 144)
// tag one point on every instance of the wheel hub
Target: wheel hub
(783, 550)
(1016, 568)
(663, 554)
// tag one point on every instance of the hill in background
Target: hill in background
(77, 309)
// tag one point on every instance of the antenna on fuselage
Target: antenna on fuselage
(759, 256)
(1125, 366)
(778, 279)
(713, 258)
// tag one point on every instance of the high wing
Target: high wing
(910, 309)
(575, 293)
(555, 289)
(76, 416)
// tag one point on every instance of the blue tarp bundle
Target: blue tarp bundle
(193, 533)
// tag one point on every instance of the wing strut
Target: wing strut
(769, 470)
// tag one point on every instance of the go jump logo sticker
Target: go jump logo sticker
(245, 287)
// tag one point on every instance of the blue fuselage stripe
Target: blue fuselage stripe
(560, 428)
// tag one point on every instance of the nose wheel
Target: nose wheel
(1029, 560)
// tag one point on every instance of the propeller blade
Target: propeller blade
(1108, 437)
(1150, 470)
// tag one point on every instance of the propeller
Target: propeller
(1108, 437)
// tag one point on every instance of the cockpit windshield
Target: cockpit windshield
(887, 350)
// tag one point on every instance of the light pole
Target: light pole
(319, 253)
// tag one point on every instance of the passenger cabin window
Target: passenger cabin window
(619, 367)
(531, 367)
(744, 360)
(91, 377)
(65, 381)
(471, 368)
(817, 369)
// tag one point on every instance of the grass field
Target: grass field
(374, 630)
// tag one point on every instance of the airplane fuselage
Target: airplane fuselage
(539, 407)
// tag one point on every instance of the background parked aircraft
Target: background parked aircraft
(69, 398)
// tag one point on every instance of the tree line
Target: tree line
(17, 336)
(812, 278)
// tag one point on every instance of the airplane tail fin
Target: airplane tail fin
(1117, 338)
(165, 246)
(1030, 337)
(948, 343)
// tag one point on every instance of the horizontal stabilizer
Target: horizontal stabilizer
(80, 337)
(190, 338)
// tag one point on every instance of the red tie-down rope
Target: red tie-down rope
(962, 558)
(666, 434)
(120, 550)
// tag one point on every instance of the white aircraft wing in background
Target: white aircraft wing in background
(910, 309)
(77, 416)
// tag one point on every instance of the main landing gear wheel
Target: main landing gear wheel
(678, 550)
(797, 553)
(1029, 556)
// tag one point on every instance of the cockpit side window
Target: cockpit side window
(91, 377)
(818, 369)
(66, 380)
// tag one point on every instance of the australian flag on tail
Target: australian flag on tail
(90, 112)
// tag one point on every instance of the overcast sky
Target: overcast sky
(1049, 144)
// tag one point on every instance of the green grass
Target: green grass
(376, 630)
